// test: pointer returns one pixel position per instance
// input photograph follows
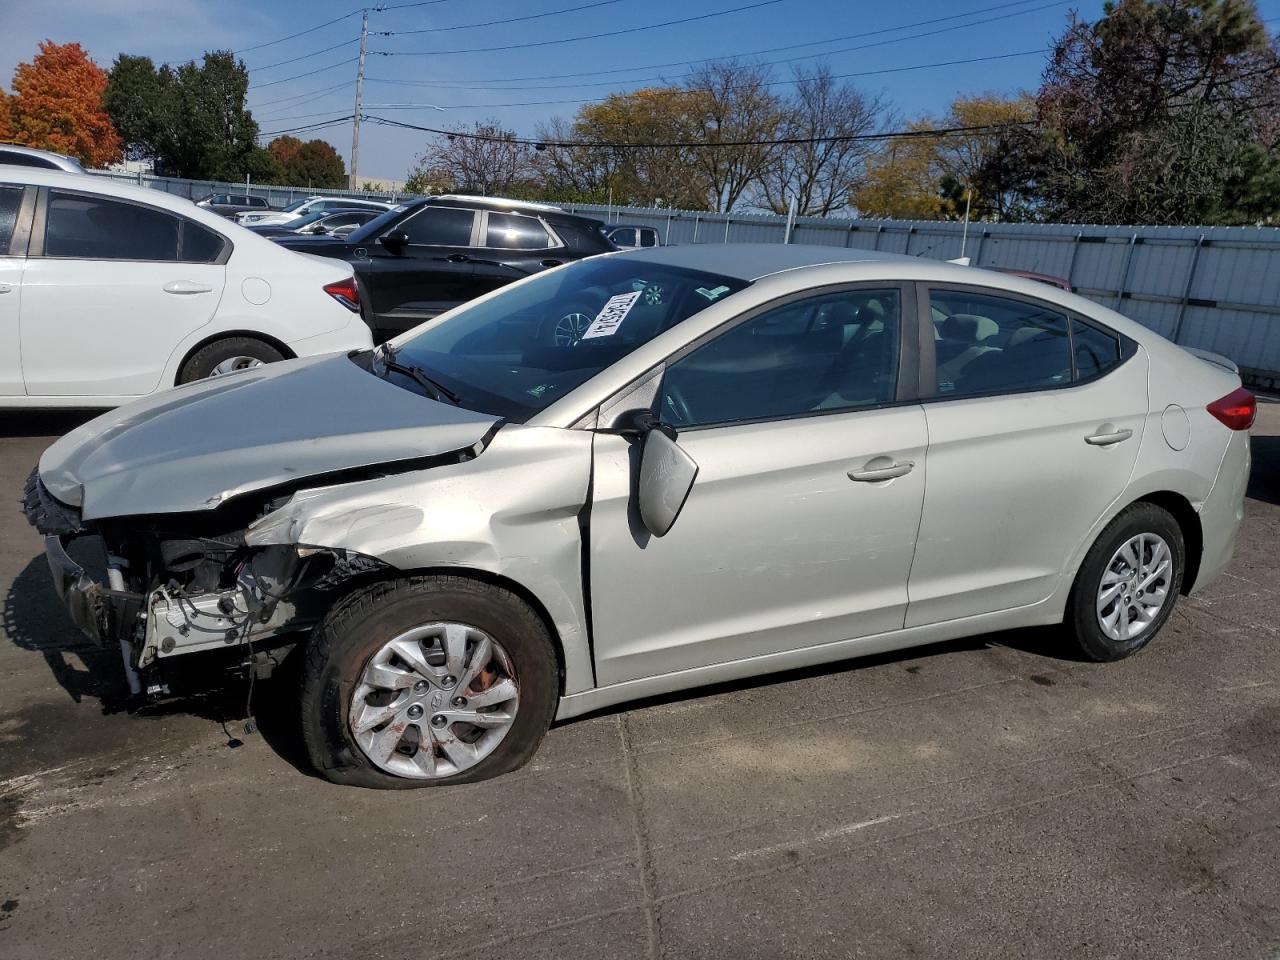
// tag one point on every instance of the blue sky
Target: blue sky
(426, 70)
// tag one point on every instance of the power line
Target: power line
(588, 36)
(307, 128)
(299, 96)
(299, 76)
(749, 53)
(770, 83)
(300, 33)
(306, 56)
(494, 23)
(703, 144)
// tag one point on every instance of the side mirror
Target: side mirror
(666, 478)
(395, 241)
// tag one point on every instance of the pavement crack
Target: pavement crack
(644, 848)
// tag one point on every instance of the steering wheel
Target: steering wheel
(675, 406)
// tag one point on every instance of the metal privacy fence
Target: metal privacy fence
(1217, 288)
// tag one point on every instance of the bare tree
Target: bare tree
(822, 172)
(734, 106)
(483, 158)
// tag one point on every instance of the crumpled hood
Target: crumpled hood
(196, 446)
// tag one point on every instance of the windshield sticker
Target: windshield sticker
(712, 294)
(610, 318)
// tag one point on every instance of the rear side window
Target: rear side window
(200, 244)
(256, 202)
(97, 228)
(648, 238)
(985, 344)
(10, 201)
(516, 233)
(1096, 350)
(440, 227)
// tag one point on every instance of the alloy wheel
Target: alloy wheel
(570, 328)
(235, 365)
(434, 701)
(1134, 586)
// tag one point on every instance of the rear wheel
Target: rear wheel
(1128, 583)
(427, 681)
(228, 355)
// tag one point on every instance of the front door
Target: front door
(12, 236)
(1034, 429)
(801, 524)
(107, 295)
(428, 275)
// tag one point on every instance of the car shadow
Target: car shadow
(1264, 478)
(34, 619)
(43, 423)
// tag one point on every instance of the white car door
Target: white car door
(801, 523)
(1034, 429)
(11, 264)
(111, 287)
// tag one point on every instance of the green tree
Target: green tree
(1159, 112)
(135, 99)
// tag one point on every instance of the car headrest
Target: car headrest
(969, 327)
(1024, 335)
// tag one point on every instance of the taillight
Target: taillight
(345, 292)
(1236, 410)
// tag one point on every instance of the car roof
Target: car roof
(43, 154)
(504, 202)
(751, 261)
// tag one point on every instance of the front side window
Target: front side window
(98, 228)
(520, 351)
(834, 352)
(440, 227)
(985, 344)
(626, 237)
(515, 233)
(10, 202)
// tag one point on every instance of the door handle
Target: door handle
(881, 468)
(552, 263)
(187, 287)
(458, 258)
(1105, 439)
(5, 288)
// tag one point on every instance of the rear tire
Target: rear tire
(1128, 584)
(354, 639)
(226, 356)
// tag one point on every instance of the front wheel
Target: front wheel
(1127, 584)
(427, 681)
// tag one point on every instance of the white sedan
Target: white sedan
(111, 292)
(309, 205)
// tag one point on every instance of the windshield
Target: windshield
(307, 218)
(293, 206)
(518, 353)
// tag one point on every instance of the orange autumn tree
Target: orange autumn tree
(57, 105)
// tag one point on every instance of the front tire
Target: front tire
(1128, 584)
(427, 681)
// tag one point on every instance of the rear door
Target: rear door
(16, 205)
(1035, 416)
(110, 289)
(432, 273)
(513, 246)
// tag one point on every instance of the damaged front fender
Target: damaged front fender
(514, 512)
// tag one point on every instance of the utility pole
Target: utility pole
(355, 123)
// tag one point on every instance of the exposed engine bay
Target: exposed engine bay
(173, 584)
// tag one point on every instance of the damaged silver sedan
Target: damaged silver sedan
(640, 473)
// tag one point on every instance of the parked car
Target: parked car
(16, 156)
(110, 292)
(338, 223)
(301, 208)
(483, 525)
(427, 256)
(629, 236)
(230, 204)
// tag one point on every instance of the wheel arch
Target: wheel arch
(1188, 520)
(266, 338)
(523, 593)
